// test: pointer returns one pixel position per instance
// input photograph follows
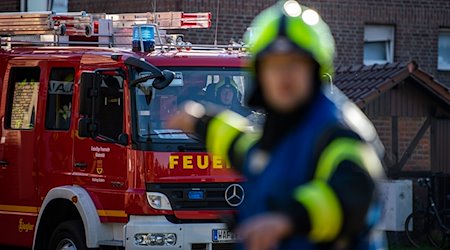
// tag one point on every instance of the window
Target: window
(378, 44)
(59, 99)
(22, 98)
(444, 50)
(223, 87)
(110, 113)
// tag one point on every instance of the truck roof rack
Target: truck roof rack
(164, 20)
(39, 23)
(82, 28)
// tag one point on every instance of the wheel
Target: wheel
(440, 238)
(69, 235)
(421, 228)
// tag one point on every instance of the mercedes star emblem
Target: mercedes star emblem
(234, 195)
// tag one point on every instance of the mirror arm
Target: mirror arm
(132, 61)
(143, 79)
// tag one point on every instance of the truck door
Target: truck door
(56, 144)
(20, 113)
(100, 165)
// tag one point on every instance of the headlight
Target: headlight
(155, 239)
(158, 201)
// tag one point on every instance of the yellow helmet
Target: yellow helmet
(289, 23)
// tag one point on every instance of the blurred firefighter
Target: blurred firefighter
(311, 174)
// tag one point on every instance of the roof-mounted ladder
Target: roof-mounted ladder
(43, 28)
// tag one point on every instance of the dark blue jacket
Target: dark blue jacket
(321, 175)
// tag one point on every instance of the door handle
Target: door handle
(80, 165)
(4, 163)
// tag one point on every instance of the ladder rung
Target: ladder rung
(17, 25)
(166, 24)
(72, 19)
(34, 19)
(200, 15)
(21, 15)
(146, 16)
(33, 27)
(26, 32)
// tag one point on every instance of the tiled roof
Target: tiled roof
(364, 83)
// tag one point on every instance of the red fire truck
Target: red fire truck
(85, 158)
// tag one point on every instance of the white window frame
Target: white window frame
(380, 33)
(442, 32)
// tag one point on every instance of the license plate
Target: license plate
(223, 235)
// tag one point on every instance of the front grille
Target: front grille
(213, 199)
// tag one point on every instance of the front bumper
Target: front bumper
(189, 236)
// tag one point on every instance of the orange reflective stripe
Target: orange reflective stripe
(21, 209)
(112, 213)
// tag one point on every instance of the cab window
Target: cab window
(110, 113)
(59, 99)
(22, 98)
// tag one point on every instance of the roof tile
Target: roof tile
(360, 81)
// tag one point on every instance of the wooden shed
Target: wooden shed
(410, 110)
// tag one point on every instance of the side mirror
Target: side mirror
(86, 128)
(164, 81)
(123, 139)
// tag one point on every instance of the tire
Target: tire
(440, 239)
(69, 235)
(421, 228)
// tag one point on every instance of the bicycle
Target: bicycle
(430, 224)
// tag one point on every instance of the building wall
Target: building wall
(420, 159)
(441, 145)
(118, 6)
(417, 23)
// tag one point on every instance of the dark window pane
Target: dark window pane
(110, 114)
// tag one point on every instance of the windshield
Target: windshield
(224, 87)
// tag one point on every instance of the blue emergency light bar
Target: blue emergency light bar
(143, 37)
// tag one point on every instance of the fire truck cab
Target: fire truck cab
(85, 158)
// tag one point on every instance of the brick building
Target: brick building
(366, 31)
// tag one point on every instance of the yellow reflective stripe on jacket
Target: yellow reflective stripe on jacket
(324, 210)
(245, 142)
(342, 149)
(339, 150)
(319, 199)
(221, 132)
